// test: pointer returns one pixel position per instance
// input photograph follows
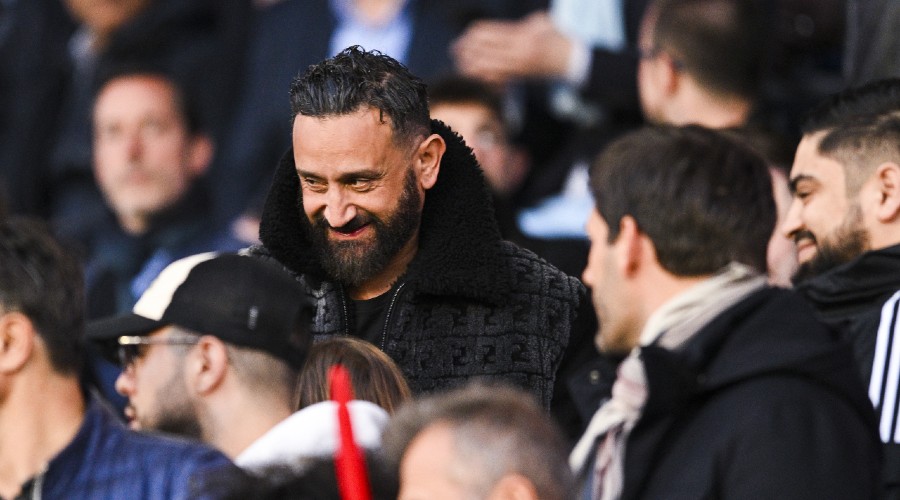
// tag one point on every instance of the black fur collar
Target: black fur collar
(459, 240)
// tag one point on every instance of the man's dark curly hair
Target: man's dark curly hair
(355, 79)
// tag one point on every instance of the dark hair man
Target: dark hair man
(150, 153)
(845, 218)
(212, 350)
(730, 388)
(479, 441)
(386, 218)
(57, 442)
(701, 61)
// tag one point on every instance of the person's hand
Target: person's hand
(499, 51)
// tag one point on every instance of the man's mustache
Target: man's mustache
(804, 235)
(352, 225)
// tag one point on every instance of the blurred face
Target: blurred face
(483, 132)
(649, 72)
(156, 389)
(144, 157)
(619, 328)
(781, 254)
(825, 223)
(361, 193)
(429, 470)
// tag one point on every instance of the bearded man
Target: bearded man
(385, 216)
(845, 218)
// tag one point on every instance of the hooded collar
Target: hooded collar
(459, 240)
(858, 282)
(771, 331)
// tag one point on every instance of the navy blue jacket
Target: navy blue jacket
(107, 461)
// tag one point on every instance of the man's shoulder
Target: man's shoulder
(526, 261)
(106, 459)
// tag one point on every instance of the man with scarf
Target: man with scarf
(385, 217)
(730, 388)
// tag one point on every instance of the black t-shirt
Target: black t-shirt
(370, 316)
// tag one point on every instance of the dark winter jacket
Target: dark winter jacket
(469, 305)
(860, 300)
(763, 402)
(106, 460)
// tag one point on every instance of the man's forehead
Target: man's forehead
(811, 165)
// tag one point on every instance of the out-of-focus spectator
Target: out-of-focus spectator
(55, 81)
(475, 110)
(779, 154)
(59, 442)
(374, 376)
(151, 151)
(479, 441)
(845, 218)
(569, 74)
(702, 62)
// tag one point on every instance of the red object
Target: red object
(349, 463)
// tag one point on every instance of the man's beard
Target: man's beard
(176, 413)
(352, 263)
(849, 241)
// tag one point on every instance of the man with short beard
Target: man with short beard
(845, 218)
(385, 217)
(211, 350)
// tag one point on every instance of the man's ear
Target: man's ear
(200, 154)
(887, 176)
(630, 246)
(428, 159)
(207, 365)
(17, 339)
(669, 73)
(513, 487)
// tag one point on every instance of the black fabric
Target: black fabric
(469, 305)
(244, 301)
(849, 298)
(763, 402)
(370, 315)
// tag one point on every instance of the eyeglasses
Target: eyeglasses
(132, 347)
(654, 52)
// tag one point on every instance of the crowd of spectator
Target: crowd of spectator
(477, 249)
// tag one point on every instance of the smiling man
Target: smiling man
(845, 218)
(385, 217)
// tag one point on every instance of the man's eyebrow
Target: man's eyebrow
(798, 179)
(347, 176)
(360, 174)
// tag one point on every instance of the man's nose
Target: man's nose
(125, 382)
(792, 221)
(338, 209)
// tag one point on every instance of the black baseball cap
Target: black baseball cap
(242, 300)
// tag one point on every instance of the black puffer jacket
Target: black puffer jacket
(469, 305)
(860, 300)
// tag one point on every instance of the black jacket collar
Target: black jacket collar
(857, 283)
(459, 240)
